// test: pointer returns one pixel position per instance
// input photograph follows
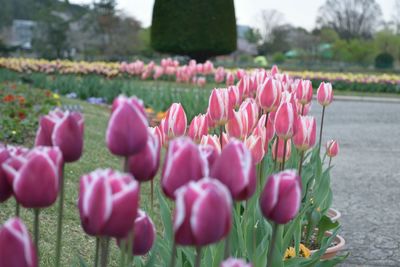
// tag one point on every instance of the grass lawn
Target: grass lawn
(75, 241)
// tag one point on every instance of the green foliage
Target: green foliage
(278, 58)
(354, 51)
(197, 28)
(384, 61)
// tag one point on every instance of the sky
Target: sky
(296, 12)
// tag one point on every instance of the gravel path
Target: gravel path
(366, 178)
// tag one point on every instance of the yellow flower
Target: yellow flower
(161, 115)
(289, 253)
(304, 251)
(149, 110)
(14, 132)
(56, 96)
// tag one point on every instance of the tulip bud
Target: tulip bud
(274, 70)
(236, 169)
(230, 79)
(256, 146)
(144, 165)
(108, 202)
(232, 262)
(332, 148)
(305, 134)
(183, 163)
(281, 197)
(303, 110)
(62, 129)
(304, 92)
(269, 95)
(127, 128)
(281, 148)
(210, 154)
(243, 86)
(284, 120)
(219, 106)
(144, 234)
(16, 246)
(156, 131)
(235, 96)
(325, 94)
(212, 140)
(198, 127)
(5, 187)
(35, 176)
(250, 109)
(203, 213)
(175, 121)
(237, 125)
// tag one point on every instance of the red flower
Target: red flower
(8, 98)
(21, 115)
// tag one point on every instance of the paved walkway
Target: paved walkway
(366, 178)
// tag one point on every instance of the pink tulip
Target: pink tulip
(332, 148)
(281, 197)
(198, 127)
(175, 121)
(16, 246)
(183, 163)
(281, 149)
(203, 213)
(219, 106)
(274, 70)
(303, 110)
(237, 125)
(236, 169)
(108, 202)
(144, 234)
(240, 73)
(256, 146)
(250, 109)
(127, 128)
(62, 129)
(210, 153)
(230, 79)
(305, 134)
(5, 187)
(243, 85)
(284, 120)
(304, 91)
(269, 95)
(232, 262)
(35, 176)
(201, 81)
(144, 165)
(235, 96)
(212, 140)
(158, 133)
(325, 94)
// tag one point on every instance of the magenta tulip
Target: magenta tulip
(183, 163)
(35, 176)
(332, 148)
(325, 94)
(198, 127)
(5, 187)
(232, 262)
(144, 234)
(281, 197)
(305, 132)
(203, 213)
(16, 246)
(284, 120)
(108, 203)
(62, 129)
(175, 121)
(144, 165)
(127, 128)
(236, 169)
(269, 95)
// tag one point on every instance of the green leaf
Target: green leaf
(325, 224)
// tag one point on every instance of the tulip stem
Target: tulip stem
(302, 109)
(330, 162)
(105, 244)
(320, 130)
(266, 120)
(152, 196)
(96, 254)
(284, 154)
(221, 130)
(301, 162)
(36, 227)
(198, 257)
(272, 245)
(123, 251)
(60, 218)
(17, 208)
(276, 152)
(126, 165)
(172, 261)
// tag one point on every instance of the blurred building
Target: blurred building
(20, 34)
(243, 45)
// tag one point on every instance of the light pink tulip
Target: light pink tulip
(230, 79)
(183, 163)
(62, 129)
(281, 197)
(332, 148)
(284, 120)
(236, 169)
(243, 85)
(269, 95)
(35, 176)
(127, 128)
(212, 140)
(235, 96)
(198, 127)
(237, 125)
(219, 106)
(232, 262)
(305, 134)
(16, 246)
(304, 91)
(108, 202)
(203, 213)
(175, 121)
(325, 94)
(250, 109)
(281, 149)
(256, 146)
(274, 70)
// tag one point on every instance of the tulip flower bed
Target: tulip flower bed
(20, 107)
(244, 185)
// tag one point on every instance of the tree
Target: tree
(253, 36)
(387, 42)
(197, 28)
(351, 18)
(270, 20)
(396, 16)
